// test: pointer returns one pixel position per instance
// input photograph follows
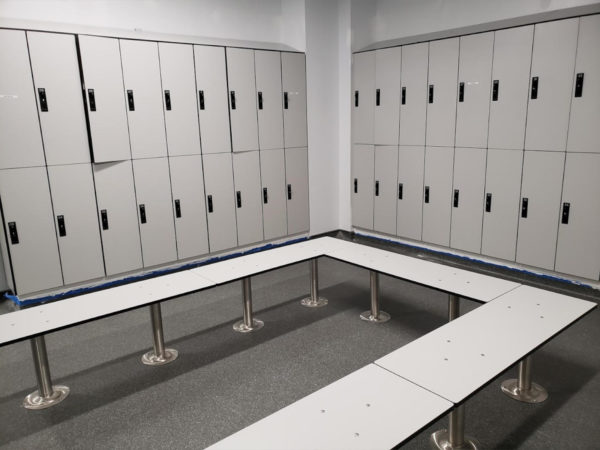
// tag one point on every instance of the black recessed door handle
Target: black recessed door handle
(495, 89)
(285, 100)
(238, 196)
(289, 191)
(431, 93)
(104, 217)
(456, 194)
(579, 85)
(168, 100)
(356, 99)
(130, 100)
(461, 92)
(524, 207)
(92, 99)
(62, 231)
(377, 189)
(201, 99)
(14, 234)
(210, 204)
(265, 196)
(400, 191)
(534, 88)
(177, 208)
(488, 202)
(404, 95)
(356, 185)
(378, 97)
(43, 100)
(260, 100)
(426, 194)
(143, 213)
(565, 213)
(232, 95)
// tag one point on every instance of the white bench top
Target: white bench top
(462, 356)
(370, 408)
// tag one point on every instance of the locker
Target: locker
(510, 84)
(363, 97)
(386, 177)
(584, 132)
(474, 79)
(578, 249)
(387, 95)
(552, 66)
(141, 77)
(411, 166)
(363, 185)
(242, 99)
(155, 210)
(437, 195)
(60, 104)
(179, 96)
(296, 176)
(413, 94)
(293, 79)
(31, 237)
(76, 221)
(540, 206)
(20, 138)
(269, 98)
(103, 79)
(190, 206)
(442, 89)
(118, 218)
(248, 197)
(272, 173)
(467, 199)
(501, 203)
(220, 199)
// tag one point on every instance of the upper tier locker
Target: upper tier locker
(437, 195)
(272, 174)
(293, 78)
(411, 165)
(269, 99)
(413, 94)
(442, 89)
(103, 78)
(296, 178)
(248, 198)
(552, 66)
(474, 73)
(584, 132)
(60, 104)
(141, 76)
(363, 183)
(20, 138)
(242, 99)
(180, 101)
(386, 177)
(510, 83)
(363, 97)
(387, 96)
(211, 82)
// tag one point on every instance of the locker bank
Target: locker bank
(293, 163)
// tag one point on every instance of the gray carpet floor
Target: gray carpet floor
(224, 381)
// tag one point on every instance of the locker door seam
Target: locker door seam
(85, 103)
(423, 204)
(572, 85)
(454, 148)
(10, 262)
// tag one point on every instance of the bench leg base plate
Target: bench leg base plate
(152, 359)
(441, 440)
(380, 318)
(536, 394)
(36, 401)
(241, 327)
(310, 303)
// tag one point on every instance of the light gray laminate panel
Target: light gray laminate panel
(387, 96)
(386, 189)
(362, 185)
(293, 78)
(415, 61)
(438, 181)
(296, 177)
(270, 99)
(411, 165)
(363, 97)
(272, 173)
(248, 191)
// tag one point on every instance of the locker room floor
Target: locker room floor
(224, 381)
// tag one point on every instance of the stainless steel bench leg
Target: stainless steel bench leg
(523, 389)
(248, 323)
(314, 301)
(453, 307)
(159, 355)
(454, 437)
(46, 395)
(375, 314)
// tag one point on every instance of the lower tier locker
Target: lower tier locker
(411, 165)
(29, 228)
(296, 177)
(386, 176)
(272, 173)
(362, 185)
(118, 217)
(220, 201)
(467, 199)
(187, 185)
(76, 221)
(248, 198)
(437, 195)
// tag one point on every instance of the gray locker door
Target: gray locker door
(211, 83)
(20, 138)
(293, 78)
(272, 173)
(411, 165)
(578, 250)
(387, 95)
(242, 99)
(474, 80)
(363, 97)
(58, 86)
(30, 229)
(467, 200)
(584, 132)
(270, 99)
(552, 65)
(540, 203)
(413, 94)
(502, 195)
(386, 187)
(248, 193)
(118, 217)
(362, 185)
(437, 195)
(190, 206)
(296, 174)
(141, 76)
(76, 222)
(180, 99)
(442, 89)
(155, 210)
(218, 181)
(510, 84)
(101, 63)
